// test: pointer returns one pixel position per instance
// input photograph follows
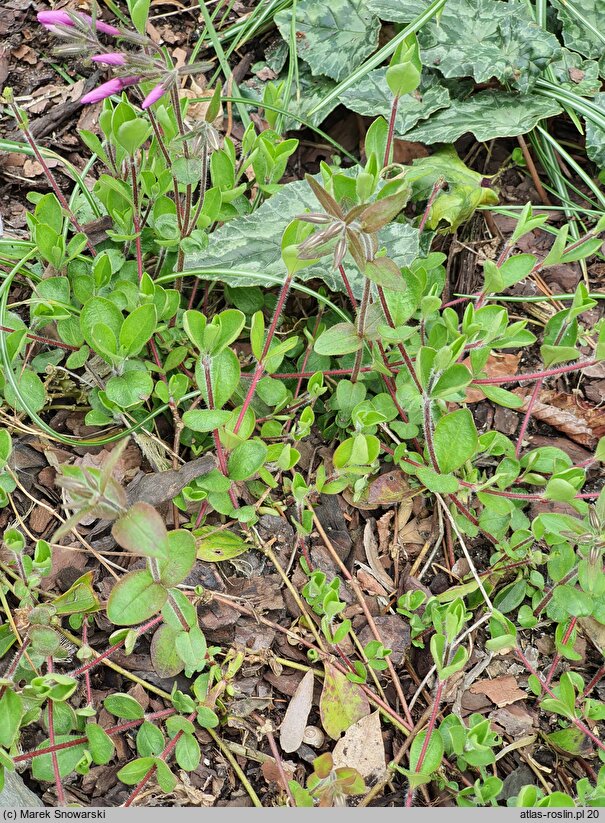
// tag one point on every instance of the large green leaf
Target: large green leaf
(334, 37)
(252, 244)
(487, 115)
(397, 11)
(577, 35)
(488, 38)
(371, 96)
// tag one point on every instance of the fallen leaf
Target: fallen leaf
(498, 365)
(362, 748)
(370, 545)
(295, 719)
(501, 690)
(584, 425)
(385, 490)
(342, 703)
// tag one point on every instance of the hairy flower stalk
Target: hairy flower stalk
(79, 36)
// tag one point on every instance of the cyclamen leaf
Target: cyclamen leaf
(247, 248)
(371, 97)
(487, 115)
(578, 36)
(488, 38)
(332, 38)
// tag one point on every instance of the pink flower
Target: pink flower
(113, 86)
(113, 58)
(153, 96)
(50, 19)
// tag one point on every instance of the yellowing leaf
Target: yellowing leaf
(342, 703)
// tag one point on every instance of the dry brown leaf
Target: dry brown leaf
(370, 544)
(584, 425)
(295, 719)
(498, 365)
(385, 490)
(362, 748)
(501, 690)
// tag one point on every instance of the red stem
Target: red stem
(425, 743)
(78, 741)
(557, 657)
(51, 738)
(135, 219)
(108, 652)
(577, 723)
(220, 452)
(47, 340)
(391, 132)
(167, 750)
(260, 367)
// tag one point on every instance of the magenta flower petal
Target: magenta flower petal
(113, 86)
(54, 18)
(153, 96)
(62, 18)
(104, 27)
(113, 58)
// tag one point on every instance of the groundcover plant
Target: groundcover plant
(302, 349)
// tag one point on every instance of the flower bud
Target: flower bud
(113, 86)
(113, 58)
(153, 96)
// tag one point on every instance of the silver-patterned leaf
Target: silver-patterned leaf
(397, 11)
(487, 115)
(251, 245)
(575, 74)
(576, 34)
(371, 96)
(595, 136)
(333, 38)
(488, 38)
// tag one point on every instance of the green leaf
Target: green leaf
(332, 39)
(455, 440)
(164, 655)
(135, 771)
(67, 759)
(205, 420)
(220, 545)
(137, 328)
(342, 703)
(124, 706)
(191, 647)
(453, 380)
(484, 39)
(141, 530)
(177, 565)
(574, 601)
(487, 115)
(11, 712)
(99, 310)
(133, 133)
(584, 32)
(437, 483)
(100, 744)
(135, 598)
(501, 396)
(30, 387)
(130, 388)
(150, 740)
(339, 339)
(224, 377)
(371, 97)
(433, 756)
(187, 752)
(247, 248)
(246, 459)
(571, 741)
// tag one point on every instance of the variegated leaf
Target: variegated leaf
(371, 96)
(333, 38)
(487, 115)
